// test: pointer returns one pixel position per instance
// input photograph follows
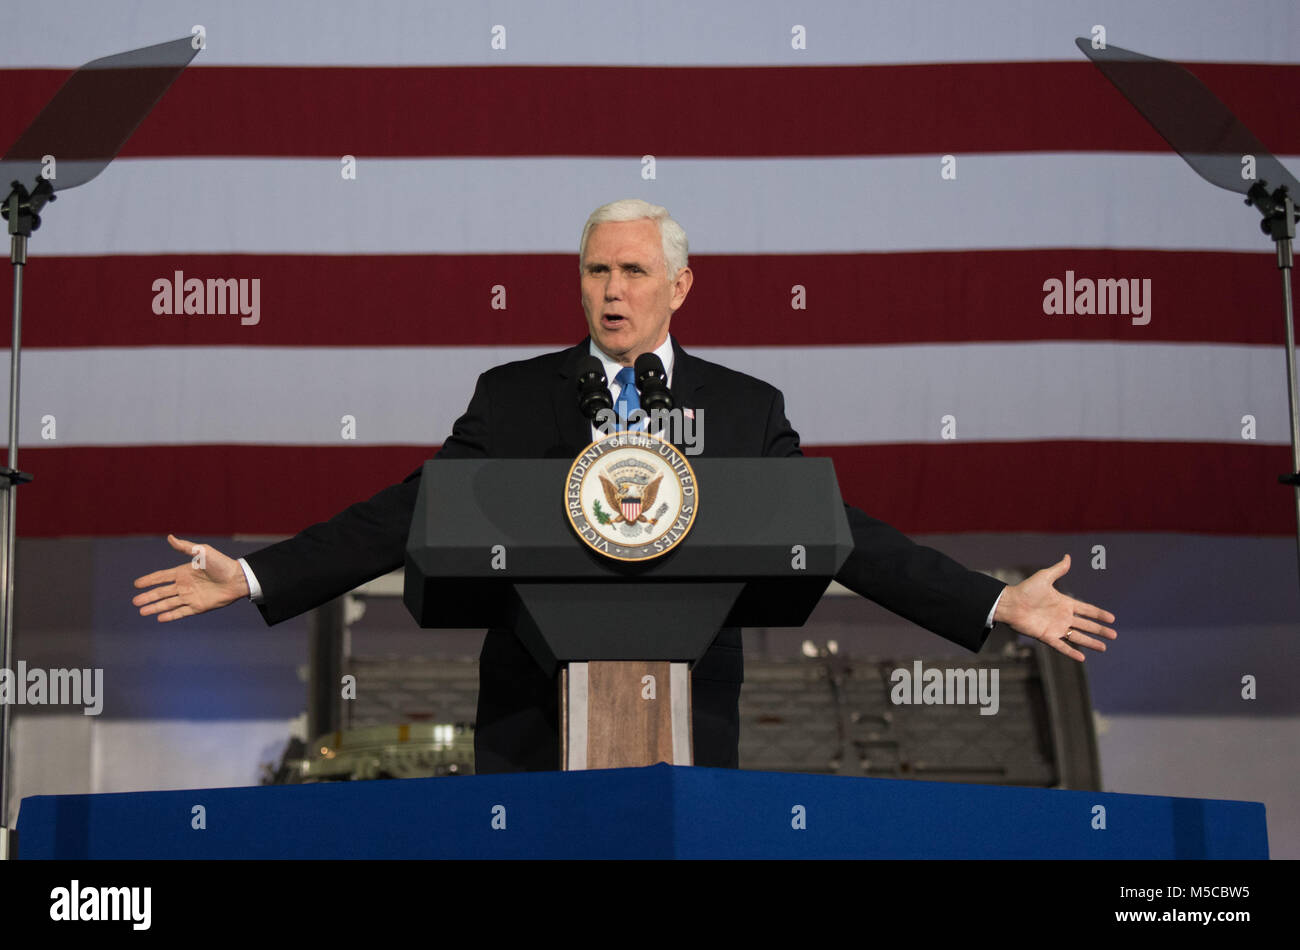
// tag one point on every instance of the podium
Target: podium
(491, 546)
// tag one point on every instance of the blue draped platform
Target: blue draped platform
(657, 812)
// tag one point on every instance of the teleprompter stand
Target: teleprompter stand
(80, 130)
(491, 546)
(1219, 148)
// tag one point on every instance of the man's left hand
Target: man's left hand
(1037, 609)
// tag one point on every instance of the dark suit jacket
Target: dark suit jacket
(529, 409)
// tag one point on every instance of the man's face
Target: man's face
(626, 293)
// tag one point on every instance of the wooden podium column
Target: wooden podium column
(624, 714)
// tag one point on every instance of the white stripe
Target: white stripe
(842, 394)
(303, 206)
(633, 32)
(1152, 392)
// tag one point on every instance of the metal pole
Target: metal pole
(1284, 263)
(18, 256)
(326, 628)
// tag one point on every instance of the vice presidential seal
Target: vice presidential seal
(631, 496)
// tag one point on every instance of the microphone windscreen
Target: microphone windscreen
(648, 364)
(652, 380)
(589, 365)
(593, 393)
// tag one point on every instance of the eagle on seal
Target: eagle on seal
(630, 507)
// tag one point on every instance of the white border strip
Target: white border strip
(578, 714)
(679, 684)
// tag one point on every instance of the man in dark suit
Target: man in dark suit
(634, 277)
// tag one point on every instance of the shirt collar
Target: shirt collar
(664, 352)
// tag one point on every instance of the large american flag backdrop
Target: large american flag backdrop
(876, 197)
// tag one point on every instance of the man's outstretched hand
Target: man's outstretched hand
(1037, 609)
(205, 582)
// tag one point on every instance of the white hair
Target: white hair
(671, 233)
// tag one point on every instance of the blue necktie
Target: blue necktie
(628, 397)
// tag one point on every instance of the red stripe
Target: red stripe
(197, 490)
(706, 111)
(739, 300)
(213, 490)
(1070, 486)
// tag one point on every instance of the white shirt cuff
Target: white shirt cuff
(987, 623)
(255, 589)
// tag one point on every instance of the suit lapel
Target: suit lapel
(687, 378)
(574, 428)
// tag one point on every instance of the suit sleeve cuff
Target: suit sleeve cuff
(255, 589)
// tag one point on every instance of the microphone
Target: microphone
(593, 388)
(652, 381)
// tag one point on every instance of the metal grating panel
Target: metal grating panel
(835, 715)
